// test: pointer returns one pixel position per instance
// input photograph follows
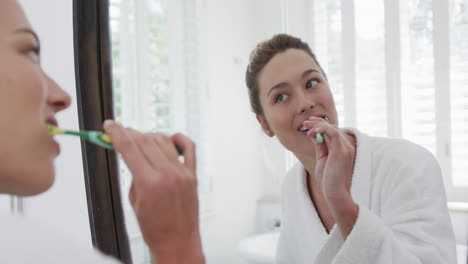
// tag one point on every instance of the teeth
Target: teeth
(303, 129)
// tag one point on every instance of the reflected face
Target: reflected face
(28, 100)
(292, 88)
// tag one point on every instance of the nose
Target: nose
(57, 98)
(305, 104)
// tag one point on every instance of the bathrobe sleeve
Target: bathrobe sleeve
(413, 226)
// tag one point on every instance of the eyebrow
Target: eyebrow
(28, 31)
(283, 84)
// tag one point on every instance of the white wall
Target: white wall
(237, 157)
(5, 204)
(64, 206)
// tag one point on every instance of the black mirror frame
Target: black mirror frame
(93, 71)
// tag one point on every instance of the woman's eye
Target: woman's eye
(311, 83)
(280, 98)
(34, 54)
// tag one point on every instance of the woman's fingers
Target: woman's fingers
(188, 147)
(149, 148)
(332, 135)
(124, 143)
(321, 149)
(153, 149)
(163, 191)
(167, 147)
(334, 140)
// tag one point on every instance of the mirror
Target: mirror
(179, 66)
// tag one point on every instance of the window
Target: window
(399, 69)
(459, 89)
(371, 105)
(159, 83)
(417, 73)
(329, 50)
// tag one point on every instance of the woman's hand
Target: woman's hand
(333, 170)
(163, 191)
(334, 157)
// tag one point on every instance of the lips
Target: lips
(52, 121)
(302, 129)
(56, 147)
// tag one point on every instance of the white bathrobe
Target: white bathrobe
(403, 216)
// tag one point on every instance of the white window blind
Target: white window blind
(417, 72)
(371, 105)
(330, 54)
(159, 83)
(459, 89)
(400, 69)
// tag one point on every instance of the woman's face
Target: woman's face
(292, 88)
(29, 100)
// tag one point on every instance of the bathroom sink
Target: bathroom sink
(260, 248)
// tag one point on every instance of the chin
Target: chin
(39, 189)
(36, 183)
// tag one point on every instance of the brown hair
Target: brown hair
(262, 54)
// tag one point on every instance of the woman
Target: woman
(163, 193)
(353, 198)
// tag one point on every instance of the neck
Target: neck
(308, 161)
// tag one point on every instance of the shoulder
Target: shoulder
(396, 151)
(399, 150)
(398, 165)
(395, 161)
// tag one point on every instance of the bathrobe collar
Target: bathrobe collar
(360, 181)
(305, 222)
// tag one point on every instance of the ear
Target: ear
(265, 126)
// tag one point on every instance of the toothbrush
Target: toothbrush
(99, 138)
(319, 136)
